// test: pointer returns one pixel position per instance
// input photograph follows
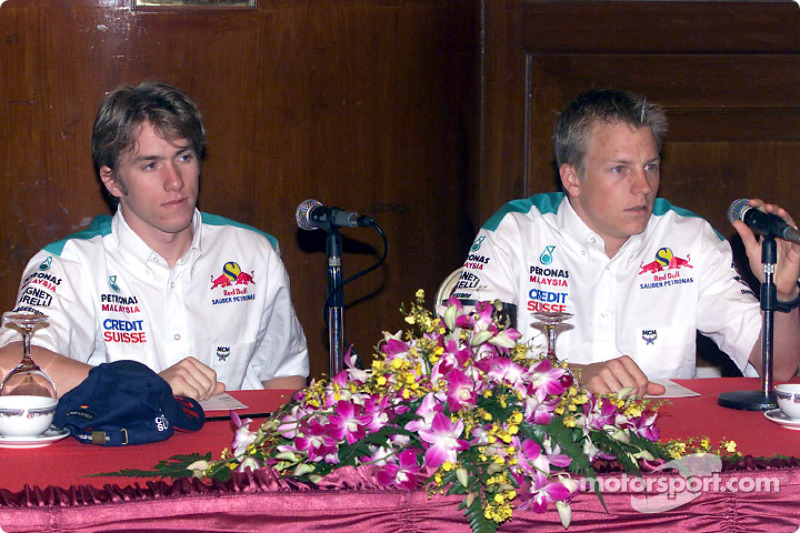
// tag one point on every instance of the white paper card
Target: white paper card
(222, 402)
(673, 390)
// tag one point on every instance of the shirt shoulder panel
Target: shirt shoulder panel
(100, 227)
(217, 220)
(545, 203)
(662, 207)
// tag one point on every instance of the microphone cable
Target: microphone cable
(352, 278)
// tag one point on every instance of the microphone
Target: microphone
(761, 222)
(311, 215)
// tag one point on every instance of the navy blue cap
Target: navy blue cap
(123, 403)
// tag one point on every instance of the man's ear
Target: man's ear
(570, 179)
(110, 181)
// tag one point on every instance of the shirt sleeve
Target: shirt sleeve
(491, 269)
(728, 312)
(281, 348)
(51, 285)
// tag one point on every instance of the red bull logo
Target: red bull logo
(231, 274)
(651, 267)
(220, 281)
(244, 278)
(677, 262)
(665, 260)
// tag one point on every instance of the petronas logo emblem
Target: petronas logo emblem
(112, 282)
(46, 264)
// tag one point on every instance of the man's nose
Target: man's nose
(174, 178)
(640, 184)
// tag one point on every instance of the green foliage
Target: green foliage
(174, 467)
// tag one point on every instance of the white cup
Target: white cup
(788, 396)
(26, 416)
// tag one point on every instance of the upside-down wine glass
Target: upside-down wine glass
(27, 378)
(551, 320)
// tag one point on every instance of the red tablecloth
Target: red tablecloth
(256, 501)
(69, 462)
(702, 416)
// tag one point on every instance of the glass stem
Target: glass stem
(26, 347)
(551, 343)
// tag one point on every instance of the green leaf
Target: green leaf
(477, 521)
(174, 467)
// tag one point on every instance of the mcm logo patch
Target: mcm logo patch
(223, 352)
(649, 336)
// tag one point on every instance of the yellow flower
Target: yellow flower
(633, 411)
(730, 446)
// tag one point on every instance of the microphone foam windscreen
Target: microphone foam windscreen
(303, 213)
(737, 209)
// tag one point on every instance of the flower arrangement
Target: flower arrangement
(458, 405)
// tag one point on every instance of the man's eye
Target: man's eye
(186, 158)
(652, 167)
(617, 169)
(149, 166)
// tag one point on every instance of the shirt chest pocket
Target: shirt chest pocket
(665, 351)
(230, 362)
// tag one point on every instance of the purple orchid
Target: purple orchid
(644, 426)
(376, 413)
(392, 346)
(242, 437)
(454, 356)
(504, 370)
(444, 436)
(347, 422)
(539, 412)
(460, 390)
(404, 474)
(290, 422)
(313, 438)
(426, 410)
(545, 380)
(540, 495)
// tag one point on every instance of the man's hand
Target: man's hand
(786, 338)
(616, 374)
(787, 267)
(189, 377)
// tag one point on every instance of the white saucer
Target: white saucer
(777, 416)
(40, 441)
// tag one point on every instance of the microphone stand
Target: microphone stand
(764, 399)
(333, 246)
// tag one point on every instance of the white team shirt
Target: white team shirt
(648, 301)
(110, 297)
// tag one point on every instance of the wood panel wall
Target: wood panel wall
(727, 73)
(361, 104)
